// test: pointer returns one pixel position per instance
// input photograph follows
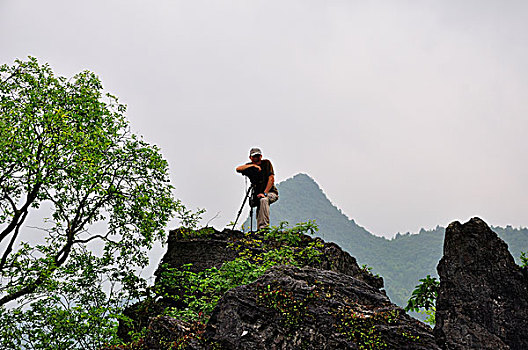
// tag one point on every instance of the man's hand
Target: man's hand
(256, 166)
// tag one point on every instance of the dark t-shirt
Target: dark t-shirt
(264, 174)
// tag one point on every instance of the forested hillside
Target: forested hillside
(401, 261)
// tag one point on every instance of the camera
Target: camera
(255, 177)
(253, 174)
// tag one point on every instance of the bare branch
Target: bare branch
(48, 230)
(104, 238)
(214, 217)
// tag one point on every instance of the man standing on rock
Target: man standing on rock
(264, 183)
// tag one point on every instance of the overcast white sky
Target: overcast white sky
(408, 114)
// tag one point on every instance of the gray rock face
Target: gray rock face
(483, 296)
(307, 308)
(203, 252)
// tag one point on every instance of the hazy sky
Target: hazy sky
(408, 114)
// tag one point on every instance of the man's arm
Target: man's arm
(243, 167)
(271, 182)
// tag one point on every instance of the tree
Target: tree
(424, 297)
(67, 151)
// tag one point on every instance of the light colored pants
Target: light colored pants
(263, 213)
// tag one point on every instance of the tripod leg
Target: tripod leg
(242, 207)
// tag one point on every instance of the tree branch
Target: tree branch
(58, 260)
(30, 198)
(9, 247)
(104, 238)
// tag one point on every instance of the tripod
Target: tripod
(249, 193)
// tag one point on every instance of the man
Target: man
(264, 183)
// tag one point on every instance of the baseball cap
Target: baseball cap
(254, 152)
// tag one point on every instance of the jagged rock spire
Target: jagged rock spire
(483, 296)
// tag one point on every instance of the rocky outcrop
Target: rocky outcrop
(483, 295)
(307, 308)
(325, 302)
(211, 248)
(207, 248)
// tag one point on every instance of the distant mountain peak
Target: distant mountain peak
(302, 178)
(305, 180)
